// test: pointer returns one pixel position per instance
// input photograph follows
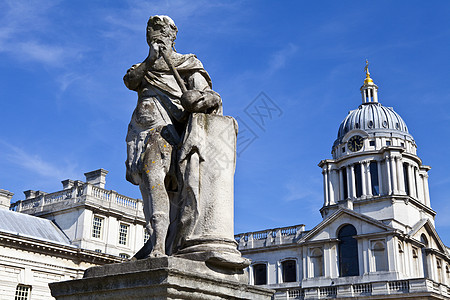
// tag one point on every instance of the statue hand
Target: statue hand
(202, 102)
(190, 100)
(153, 52)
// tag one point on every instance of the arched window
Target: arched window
(374, 181)
(424, 240)
(289, 270)
(379, 255)
(260, 274)
(348, 251)
(317, 262)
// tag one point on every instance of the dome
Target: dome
(375, 119)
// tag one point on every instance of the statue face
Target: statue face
(158, 30)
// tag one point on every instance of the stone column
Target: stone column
(412, 186)
(419, 184)
(368, 179)
(325, 186)
(388, 176)
(363, 179)
(393, 178)
(426, 191)
(351, 181)
(333, 186)
(380, 178)
(400, 175)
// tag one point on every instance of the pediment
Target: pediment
(329, 227)
(426, 227)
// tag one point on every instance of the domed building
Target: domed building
(377, 239)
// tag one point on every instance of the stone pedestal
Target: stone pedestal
(159, 278)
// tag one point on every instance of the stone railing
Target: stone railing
(420, 286)
(267, 237)
(81, 192)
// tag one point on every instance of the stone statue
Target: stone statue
(174, 138)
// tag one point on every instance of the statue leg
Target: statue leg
(157, 160)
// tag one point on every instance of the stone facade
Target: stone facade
(92, 217)
(377, 239)
(34, 252)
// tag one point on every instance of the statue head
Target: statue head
(161, 29)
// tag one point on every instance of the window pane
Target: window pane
(123, 234)
(374, 178)
(23, 292)
(344, 184)
(260, 274)
(289, 271)
(358, 180)
(348, 252)
(97, 227)
(406, 177)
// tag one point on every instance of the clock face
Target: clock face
(355, 143)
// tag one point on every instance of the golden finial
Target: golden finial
(366, 68)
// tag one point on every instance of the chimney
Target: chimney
(30, 194)
(96, 177)
(67, 184)
(5, 199)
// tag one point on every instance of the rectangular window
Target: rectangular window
(388, 143)
(344, 183)
(260, 274)
(289, 270)
(123, 234)
(406, 177)
(23, 292)
(372, 143)
(358, 180)
(124, 255)
(97, 225)
(374, 178)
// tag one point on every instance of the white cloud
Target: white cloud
(281, 57)
(27, 33)
(34, 163)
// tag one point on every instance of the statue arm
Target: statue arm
(200, 97)
(136, 73)
(134, 76)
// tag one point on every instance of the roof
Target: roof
(31, 226)
(373, 118)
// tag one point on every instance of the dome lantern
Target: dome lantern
(369, 90)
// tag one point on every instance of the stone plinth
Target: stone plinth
(159, 278)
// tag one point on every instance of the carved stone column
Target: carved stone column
(393, 177)
(400, 175)
(419, 184)
(325, 186)
(426, 191)
(351, 181)
(363, 179)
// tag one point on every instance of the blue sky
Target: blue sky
(65, 109)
